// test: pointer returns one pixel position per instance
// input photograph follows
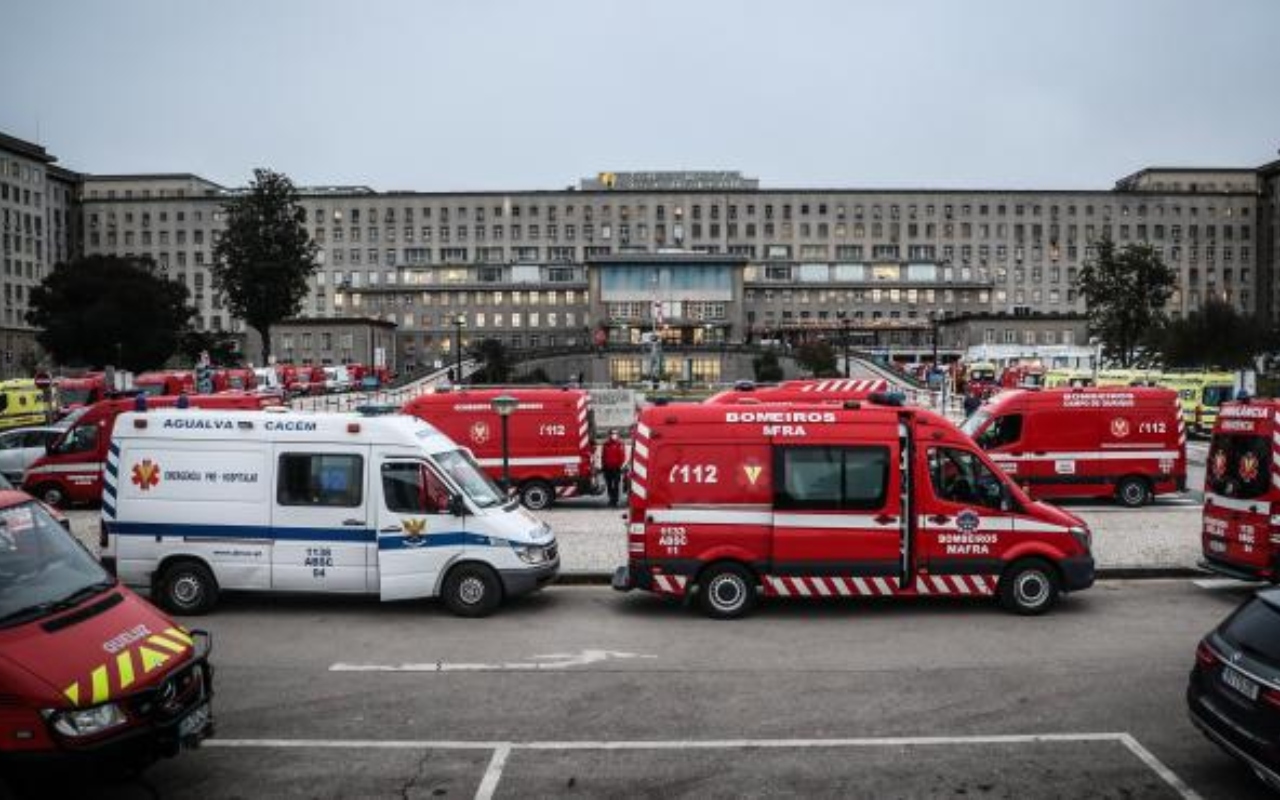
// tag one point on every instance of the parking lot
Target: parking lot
(582, 691)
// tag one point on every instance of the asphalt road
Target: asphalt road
(582, 692)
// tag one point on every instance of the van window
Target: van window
(410, 488)
(320, 479)
(80, 439)
(1002, 431)
(1215, 396)
(1239, 466)
(830, 478)
(959, 476)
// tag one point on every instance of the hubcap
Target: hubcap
(186, 590)
(1032, 589)
(535, 498)
(727, 592)
(471, 591)
(1133, 493)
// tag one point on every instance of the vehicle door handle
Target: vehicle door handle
(353, 522)
(885, 519)
(939, 519)
(390, 529)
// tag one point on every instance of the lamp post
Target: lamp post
(504, 404)
(459, 322)
(845, 325)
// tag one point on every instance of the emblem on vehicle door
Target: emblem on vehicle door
(1219, 465)
(968, 520)
(479, 432)
(146, 474)
(1120, 427)
(1248, 467)
(413, 532)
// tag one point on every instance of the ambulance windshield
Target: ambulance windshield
(42, 568)
(465, 472)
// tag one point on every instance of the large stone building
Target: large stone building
(705, 257)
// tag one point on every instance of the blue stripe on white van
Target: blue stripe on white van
(447, 539)
(360, 535)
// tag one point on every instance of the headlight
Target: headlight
(531, 554)
(87, 721)
(1083, 536)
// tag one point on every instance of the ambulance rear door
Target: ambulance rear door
(418, 532)
(321, 519)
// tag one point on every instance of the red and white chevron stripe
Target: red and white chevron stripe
(1182, 425)
(839, 586)
(1275, 449)
(640, 462)
(868, 385)
(956, 584)
(669, 584)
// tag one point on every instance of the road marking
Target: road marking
(552, 661)
(503, 750)
(1213, 584)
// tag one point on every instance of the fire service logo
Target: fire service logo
(1248, 467)
(1120, 427)
(146, 474)
(968, 521)
(1219, 465)
(479, 432)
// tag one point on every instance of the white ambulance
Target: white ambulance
(196, 502)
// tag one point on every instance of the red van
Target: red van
(1241, 522)
(549, 438)
(88, 671)
(234, 380)
(731, 503)
(71, 471)
(83, 390)
(1123, 442)
(166, 383)
(814, 390)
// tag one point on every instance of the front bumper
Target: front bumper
(516, 582)
(1077, 573)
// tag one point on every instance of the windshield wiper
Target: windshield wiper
(26, 614)
(37, 610)
(81, 594)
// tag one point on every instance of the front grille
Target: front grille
(179, 692)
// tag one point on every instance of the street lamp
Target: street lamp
(846, 324)
(504, 404)
(459, 321)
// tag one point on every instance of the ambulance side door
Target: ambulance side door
(965, 514)
(418, 533)
(321, 517)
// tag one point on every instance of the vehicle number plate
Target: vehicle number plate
(1217, 546)
(194, 723)
(1240, 683)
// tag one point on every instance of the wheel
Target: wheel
(472, 590)
(537, 495)
(187, 587)
(727, 591)
(1132, 492)
(51, 494)
(1029, 587)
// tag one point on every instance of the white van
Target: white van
(200, 501)
(337, 380)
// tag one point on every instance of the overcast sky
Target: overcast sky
(481, 94)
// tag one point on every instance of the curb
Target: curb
(1102, 574)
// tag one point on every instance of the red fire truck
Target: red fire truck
(814, 390)
(88, 670)
(730, 503)
(1126, 442)
(549, 437)
(71, 472)
(1241, 537)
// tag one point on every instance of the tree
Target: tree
(104, 310)
(496, 369)
(817, 357)
(766, 367)
(221, 347)
(265, 256)
(1125, 291)
(1216, 335)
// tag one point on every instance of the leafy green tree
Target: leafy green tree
(766, 367)
(263, 259)
(221, 347)
(103, 310)
(1214, 336)
(818, 358)
(497, 367)
(1125, 291)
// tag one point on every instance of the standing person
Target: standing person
(971, 404)
(613, 455)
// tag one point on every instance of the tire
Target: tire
(537, 495)
(727, 591)
(51, 495)
(472, 590)
(1029, 587)
(187, 587)
(1132, 492)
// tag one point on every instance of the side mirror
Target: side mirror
(457, 506)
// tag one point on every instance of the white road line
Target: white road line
(1158, 767)
(489, 784)
(1225, 583)
(551, 661)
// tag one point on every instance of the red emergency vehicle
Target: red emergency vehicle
(549, 437)
(1241, 523)
(1023, 375)
(71, 471)
(87, 669)
(1124, 442)
(234, 380)
(730, 503)
(166, 383)
(83, 390)
(814, 390)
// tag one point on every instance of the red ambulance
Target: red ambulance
(234, 379)
(731, 503)
(1124, 442)
(166, 383)
(88, 670)
(549, 437)
(84, 390)
(815, 390)
(1241, 522)
(71, 471)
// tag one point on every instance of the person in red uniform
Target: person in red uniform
(613, 455)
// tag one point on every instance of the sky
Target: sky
(432, 95)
